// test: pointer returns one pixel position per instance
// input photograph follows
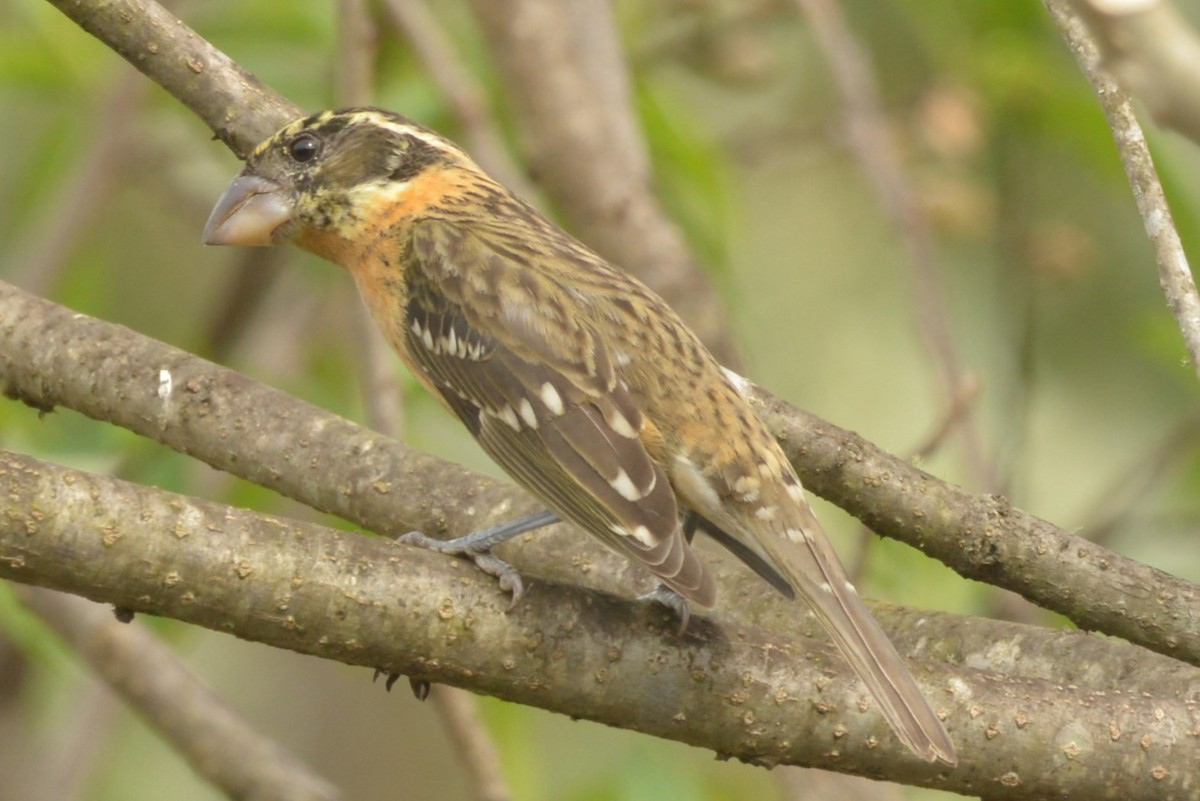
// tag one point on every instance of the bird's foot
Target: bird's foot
(673, 601)
(478, 545)
(506, 575)
(420, 687)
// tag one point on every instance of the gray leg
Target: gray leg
(477, 546)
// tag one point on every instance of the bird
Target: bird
(573, 376)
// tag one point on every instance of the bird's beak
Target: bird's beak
(251, 212)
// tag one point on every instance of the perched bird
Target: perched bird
(573, 376)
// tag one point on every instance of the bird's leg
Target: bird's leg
(673, 601)
(477, 546)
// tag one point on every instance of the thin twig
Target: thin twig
(1115, 504)
(960, 403)
(873, 146)
(476, 748)
(246, 289)
(810, 784)
(1174, 274)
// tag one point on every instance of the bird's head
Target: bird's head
(323, 180)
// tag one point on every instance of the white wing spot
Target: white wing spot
(451, 342)
(643, 535)
(618, 423)
(552, 399)
(527, 413)
(794, 534)
(507, 414)
(165, 384)
(746, 488)
(850, 587)
(624, 485)
(416, 327)
(765, 513)
(427, 338)
(824, 585)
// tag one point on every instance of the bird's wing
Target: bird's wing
(514, 359)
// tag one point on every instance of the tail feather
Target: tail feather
(885, 673)
(820, 579)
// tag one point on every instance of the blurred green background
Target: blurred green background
(1086, 406)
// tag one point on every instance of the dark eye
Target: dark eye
(304, 148)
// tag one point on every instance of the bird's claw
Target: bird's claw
(506, 575)
(391, 678)
(672, 600)
(420, 687)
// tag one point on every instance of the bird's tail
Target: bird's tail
(807, 559)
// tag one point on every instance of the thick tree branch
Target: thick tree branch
(50, 356)
(740, 691)
(239, 109)
(214, 740)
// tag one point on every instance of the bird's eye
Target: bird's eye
(304, 148)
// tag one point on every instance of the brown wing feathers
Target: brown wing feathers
(567, 429)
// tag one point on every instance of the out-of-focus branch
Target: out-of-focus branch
(737, 690)
(383, 396)
(358, 43)
(1115, 504)
(580, 159)
(38, 258)
(480, 134)
(52, 356)
(873, 146)
(475, 746)
(601, 57)
(1154, 53)
(215, 741)
(1174, 274)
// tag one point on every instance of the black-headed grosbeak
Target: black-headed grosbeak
(576, 378)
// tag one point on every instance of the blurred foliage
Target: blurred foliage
(1044, 268)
